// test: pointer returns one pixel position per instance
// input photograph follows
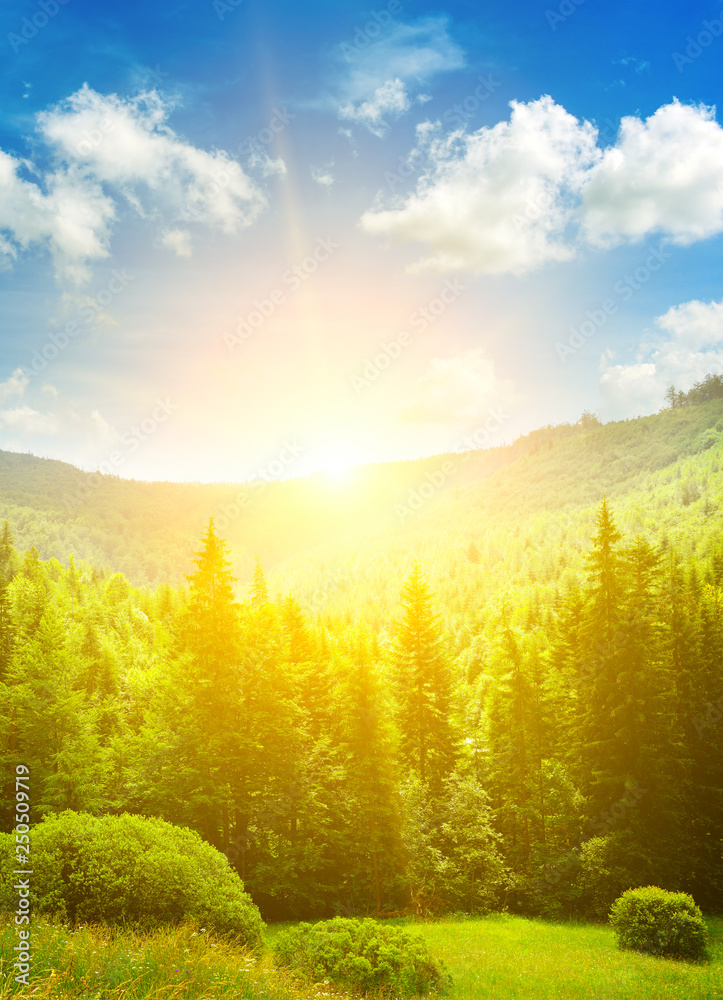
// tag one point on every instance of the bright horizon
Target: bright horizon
(236, 238)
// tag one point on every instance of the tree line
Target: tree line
(572, 750)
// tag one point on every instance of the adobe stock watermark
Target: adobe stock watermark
(288, 454)
(365, 35)
(291, 280)
(224, 7)
(271, 812)
(23, 867)
(30, 26)
(88, 312)
(460, 113)
(623, 291)
(254, 145)
(456, 116)
(534, 209)
(437, 480)
(599, 826)
(564, 11)
(332, 585)
(713, 715)
(92, 138)
(130, 441)
(695, 46)
(211, 190)
(419, 321)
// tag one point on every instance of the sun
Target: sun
(336, 466)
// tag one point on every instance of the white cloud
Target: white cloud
(47, 419)
(377, 81)
(512, 197)
(692, 350)
(695, 324)
(496, 200)
(323, 175)
(261, 161)
(26, 420)
(459, 388)
(127, 143)
(103, 431)
(389, 101)
(178, 240)
(109, 151)
(664, 174)
(15, 385)
(8, 254)
(71, 216)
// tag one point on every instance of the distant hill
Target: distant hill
(342, 544)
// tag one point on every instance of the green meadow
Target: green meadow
(498, 957)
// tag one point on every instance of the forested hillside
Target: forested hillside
(148, 530)
(510, 696)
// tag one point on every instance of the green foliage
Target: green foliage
(661, 923)
(609, 865)
(363, 956)
(475, 878)
(131, 963)
(709, 438)
(135, 871)
(424, 685)
(703, 391)
(351, 757)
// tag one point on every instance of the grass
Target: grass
(510, 958)
(167, 964)
(493, 958)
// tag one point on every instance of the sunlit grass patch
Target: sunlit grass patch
(104, 962)
(511, 958)
(493, 958)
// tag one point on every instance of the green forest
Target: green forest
(509, 698)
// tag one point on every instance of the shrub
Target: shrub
(660, 922)
(608, 866)
(134, 871)
(363, 956)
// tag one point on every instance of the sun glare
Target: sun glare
(336, 466)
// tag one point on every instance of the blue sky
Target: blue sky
(243, 239)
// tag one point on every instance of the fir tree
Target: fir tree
(259, 591)
(424, 685)
(368, 741)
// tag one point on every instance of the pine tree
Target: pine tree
(259, 591)
(516, 726)
(53, 728)
(296, 629)
(602, 641)
(702, 723)
(650, 751)
(7, 629)
(367, 740)
(424, 686)
(7, 552)
(210, 634)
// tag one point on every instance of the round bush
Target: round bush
(361, 955)
(660, 923)
(134, 871)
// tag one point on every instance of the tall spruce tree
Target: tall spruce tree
(372, 784)
(424, 686)
(210, 635)
(259, 592)
(600, 695)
